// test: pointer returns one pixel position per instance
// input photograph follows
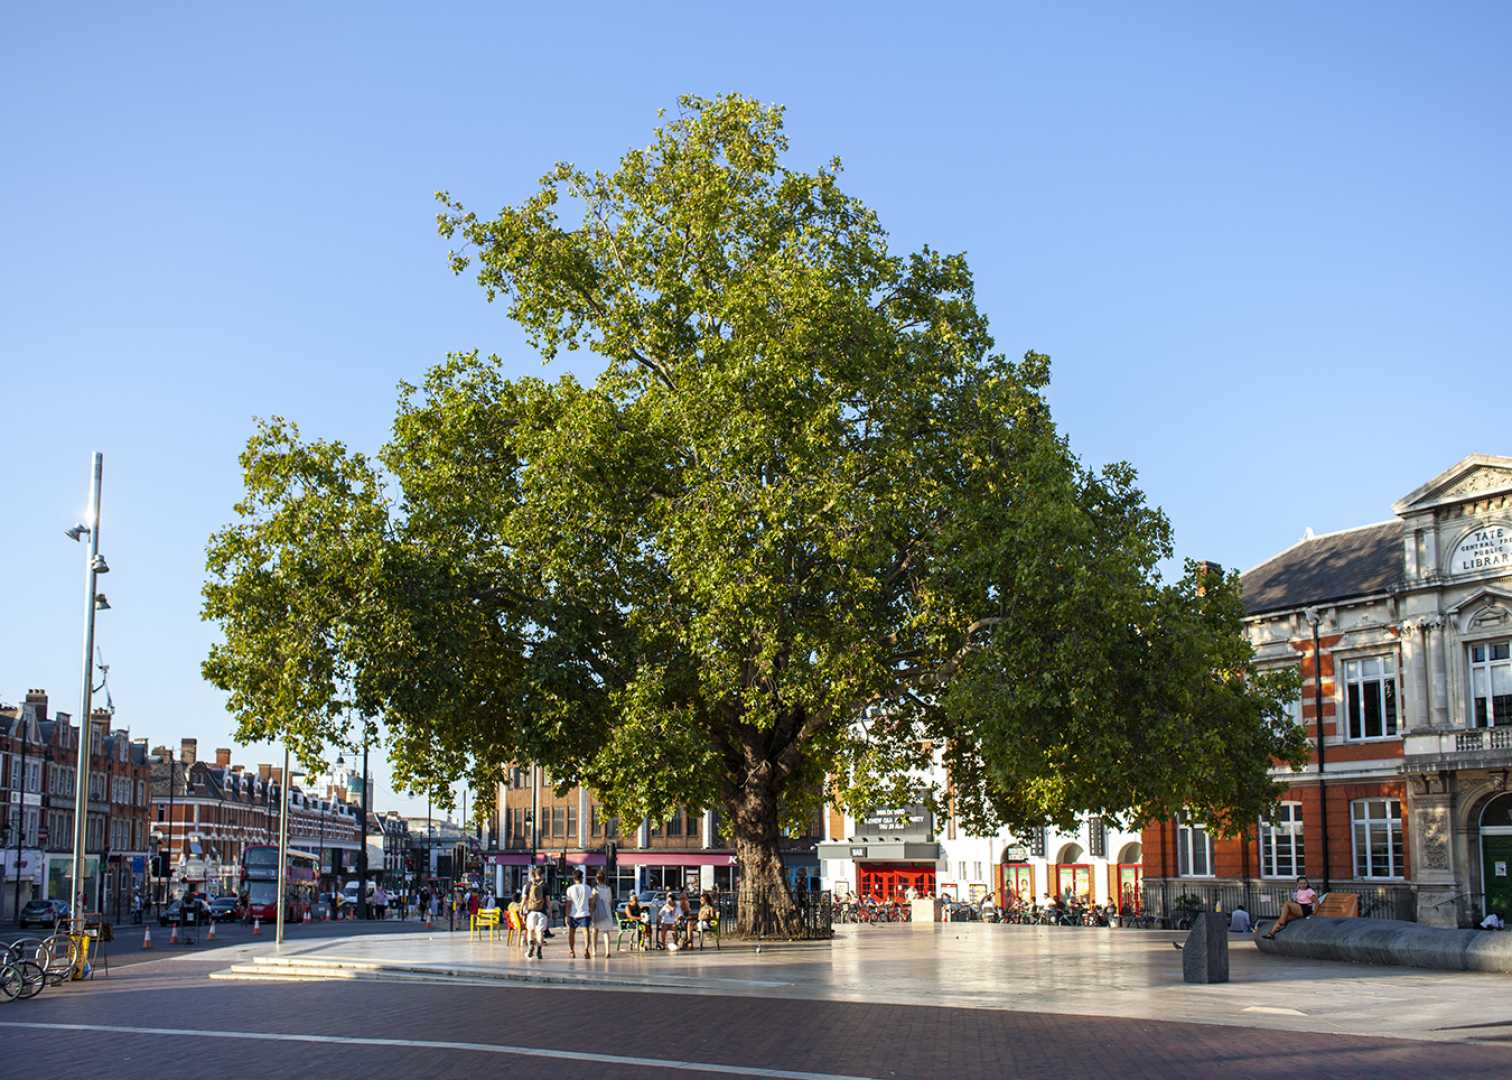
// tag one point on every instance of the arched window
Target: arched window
(1130, 854)
(1071, 853)
(1498, 812)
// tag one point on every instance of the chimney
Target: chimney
(188, 750)
(278, 777)
(265, 773)
(35, 704)
(223, 758)
(99, 719)
(1207, 571)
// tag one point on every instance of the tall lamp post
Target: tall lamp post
(1314, 616)
(18, 815)
(283, 847)
(94, 565)
(362, 857)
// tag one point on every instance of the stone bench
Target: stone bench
(1386, 941)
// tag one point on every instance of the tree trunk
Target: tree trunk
(765, 908)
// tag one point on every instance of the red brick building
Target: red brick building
(205, 814)
(1413, 668)
(689, 850)
(38, 763)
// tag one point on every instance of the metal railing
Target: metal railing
(814, 920)
(1174, 903)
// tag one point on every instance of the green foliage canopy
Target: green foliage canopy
(807, 530)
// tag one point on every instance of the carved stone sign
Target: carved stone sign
(1486, 548)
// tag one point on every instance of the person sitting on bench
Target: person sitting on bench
(1300, 906)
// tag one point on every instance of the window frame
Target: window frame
(1490, 665)
(1186, 830)
(1269, 831)
(1383, 680)
(1396, 839)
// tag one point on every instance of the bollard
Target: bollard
(1205, 956)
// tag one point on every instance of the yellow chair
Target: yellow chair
(516, 924)
(486, 919)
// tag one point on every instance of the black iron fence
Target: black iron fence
(778, 914)
(1173, 903)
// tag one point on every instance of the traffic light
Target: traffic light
(164, 865)
(611, 856)
(562, 863)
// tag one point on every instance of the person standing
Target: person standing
(579, 914)
(602, 913)
(535, 914)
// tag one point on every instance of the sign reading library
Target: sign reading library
(1483, 549)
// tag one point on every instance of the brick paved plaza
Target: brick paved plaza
(1026, 1003)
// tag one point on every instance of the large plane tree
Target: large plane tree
(806, 535)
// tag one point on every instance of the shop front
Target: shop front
(885, 870)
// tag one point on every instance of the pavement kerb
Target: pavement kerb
(305, 969)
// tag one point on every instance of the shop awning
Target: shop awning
(881, 851)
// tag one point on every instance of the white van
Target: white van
(349, 892)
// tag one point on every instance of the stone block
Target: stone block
(1205, 956)
(1387, 941)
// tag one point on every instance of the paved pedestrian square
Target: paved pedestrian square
(1070, 971)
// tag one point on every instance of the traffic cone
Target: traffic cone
(211, 935)
(173, 935)
(257, 928)
(146, 937)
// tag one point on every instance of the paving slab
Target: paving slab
(1063, 970)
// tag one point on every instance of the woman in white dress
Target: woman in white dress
(602, 912)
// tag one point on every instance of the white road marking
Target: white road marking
(431, 1044)
(1274, 1010)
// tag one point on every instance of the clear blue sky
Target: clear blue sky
(1268, 249)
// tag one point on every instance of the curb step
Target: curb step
(297, 969)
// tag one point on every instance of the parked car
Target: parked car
(172, 913)
(45, 913)
(225, 908)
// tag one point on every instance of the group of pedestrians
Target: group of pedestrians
(590, 908)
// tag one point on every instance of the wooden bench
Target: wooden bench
(1338, 906)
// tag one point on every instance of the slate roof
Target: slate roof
(1328, 568)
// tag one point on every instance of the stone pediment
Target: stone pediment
(1476, 477)
(1485, 609)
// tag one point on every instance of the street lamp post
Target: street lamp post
(362, 857)
(18, 816)
(93, 566)
(283, 847)
(1314, 616)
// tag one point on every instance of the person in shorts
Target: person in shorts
(666, 922)
(579, 914)
(1300, 906)
(535, 914)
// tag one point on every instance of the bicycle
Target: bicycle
(20, 979)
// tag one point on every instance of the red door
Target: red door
(891, 881)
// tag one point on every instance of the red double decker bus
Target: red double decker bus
(259, 884)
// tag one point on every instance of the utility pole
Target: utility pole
(92, 567)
